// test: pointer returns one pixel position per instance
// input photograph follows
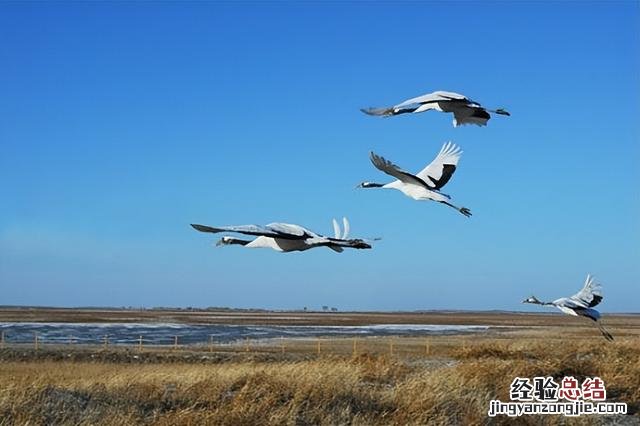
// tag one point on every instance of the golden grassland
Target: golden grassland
(444, 380)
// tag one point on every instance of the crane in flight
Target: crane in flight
(465, 111)
(425, 185)
(285, 237)
(580, 304)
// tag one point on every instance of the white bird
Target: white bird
(580, 304)
(285, 237)
(425, 185)
(465, 111)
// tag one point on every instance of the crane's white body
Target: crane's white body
(417, 192)
(283, 245)
(278, 244)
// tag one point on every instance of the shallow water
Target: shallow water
(164, 333)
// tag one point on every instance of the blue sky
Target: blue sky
(124, 122)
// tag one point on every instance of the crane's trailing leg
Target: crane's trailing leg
(380, 112)
(604, 332)
(465, 211)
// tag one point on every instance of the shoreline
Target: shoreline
(301, 318)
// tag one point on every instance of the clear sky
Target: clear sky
(121, 123)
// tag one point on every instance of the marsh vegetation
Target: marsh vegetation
(386, 381)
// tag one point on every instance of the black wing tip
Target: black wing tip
(447, 172)
(595, 301)
(201, 228)
(481, 113)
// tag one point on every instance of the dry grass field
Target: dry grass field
(442, 380)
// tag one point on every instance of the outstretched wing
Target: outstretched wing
(417, 104)
(290, 231)
(346, 227)
(340, 234)
(590, 295)
(336, 229)
(274, 230)
(438, 173)
(241, 229)
(432, 97)
(391, 169)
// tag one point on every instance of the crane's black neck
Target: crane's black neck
(226, 241)
(371, 185)
(535, 301)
